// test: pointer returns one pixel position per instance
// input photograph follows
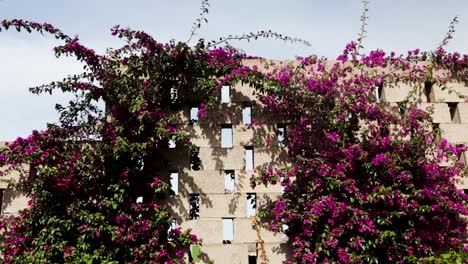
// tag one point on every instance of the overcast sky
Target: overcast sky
(27, 59)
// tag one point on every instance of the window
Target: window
(280, 134)
(173, 95)
(226, 136)
(174, 181)
(229, 181)
(139, 199)
(228, 230)
(193, 115)
(141, 164)
(249, 158)
(252, 249)
(171, 144)
(378, 93)
(172, 225)
(225, 94)
(195, 162)
(194, 203)
(453, 112)
(247, 113)
(251, 204)
(428, 91)
(285, 228)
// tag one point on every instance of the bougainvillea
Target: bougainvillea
(365, 185)
(85, 173)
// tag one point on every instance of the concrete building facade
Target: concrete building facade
(213, 197)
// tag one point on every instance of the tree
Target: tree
(87, 170)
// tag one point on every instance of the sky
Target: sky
(27, 60)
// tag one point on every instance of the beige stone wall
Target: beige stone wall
(450, 112)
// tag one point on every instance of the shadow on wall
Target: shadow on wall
(207, 133)
(284, 250)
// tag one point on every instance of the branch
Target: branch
(362, 33)
(197, 24)
(449, 34)
(255, 36)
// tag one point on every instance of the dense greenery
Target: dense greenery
(88, 169)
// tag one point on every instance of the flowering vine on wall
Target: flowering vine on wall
(365, 185)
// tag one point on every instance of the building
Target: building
(211, 193)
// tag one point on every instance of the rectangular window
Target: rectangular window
(378, 93)
(252, 259)
(251, 204)
(453, 112)
(173, 95)
(280, 134)
(193, 115)
(226, 136)
(249, 158)
(428, 91)
(194, 203)
(174, 181)
(228, 230)
(247, 113)
(225, 96)
(229, 181)
(195, 162)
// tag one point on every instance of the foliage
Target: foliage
(365, 185)
(87, 170)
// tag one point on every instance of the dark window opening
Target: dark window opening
(195, 162)
(194, 203)
(252, 259)
(453, 111)
(428, 91)
(435, 127)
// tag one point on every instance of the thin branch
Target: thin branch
(363, 19)
(449, 34)
(255, 36)
(198, 22)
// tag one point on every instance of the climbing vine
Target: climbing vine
(365, 185)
